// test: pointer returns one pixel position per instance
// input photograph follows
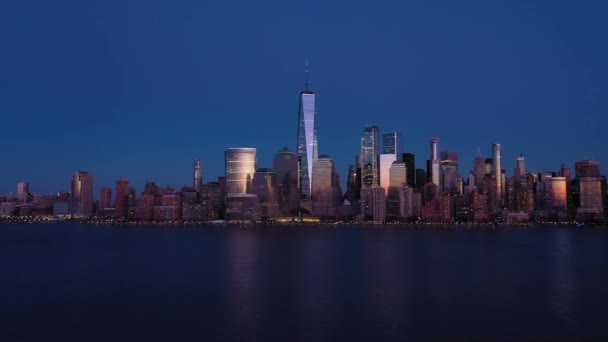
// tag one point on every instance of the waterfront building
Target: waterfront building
(497, 172)
(369, 157)
(82, 194)
(373, 204)
(240, 165)
(198, 176)
(326, 192)
(121, 197)
(307, 149)
(264, 185)
(22, 192)
(286, 168)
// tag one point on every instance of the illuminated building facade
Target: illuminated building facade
(369, 157)
(307, 149)
(82, 194)
(385, 161)
(391, 143)
(240, 165)
(434, 162)
(449, 171)
(497, 171)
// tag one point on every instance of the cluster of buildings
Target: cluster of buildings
(383, 185)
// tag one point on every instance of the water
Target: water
(84, 283)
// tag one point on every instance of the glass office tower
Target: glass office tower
(369, 157)
(240, 168)
(307, 139)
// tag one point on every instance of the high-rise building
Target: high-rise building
(369, 157)
(198, 176)
(410, 163)
(391, 143)
(121, 197)
(520, 167)
(373, 204)
(435, 163)
(307, 149)
(82, 193)
(395, 200)
(240, 203)
(285, 165)
(22, 191)
(554, 199)
(325, 187)
(479, 169)
(591, 196)
(240, 168)
(587, 168)
(449, 171)
(421, 178)
(264, 185)
(105, 198)
(397, 175)
(386, 160)
(496, 168)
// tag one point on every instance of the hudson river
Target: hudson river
(75, 282)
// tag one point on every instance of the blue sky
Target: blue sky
(139, 89)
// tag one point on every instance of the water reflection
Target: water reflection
(564, 287)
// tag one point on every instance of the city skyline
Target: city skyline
(142, 100)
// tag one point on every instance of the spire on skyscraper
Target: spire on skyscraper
(306, 77)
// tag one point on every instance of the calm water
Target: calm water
(82, 283)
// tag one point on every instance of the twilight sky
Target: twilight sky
(139, 89)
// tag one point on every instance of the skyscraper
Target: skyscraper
(479, 169)
(325, 187)
(198, 176)
(82, 193)
(369, 157)
(496, 168)
(121, 197)
(105, 198)
(587, 168)
(385, 161)
(435, 163)
(240, 168)
(410, 163)
(285, 165)
(449, 171)
(240, 203)
(391, 143)
(22, 191)
(307, 138)
(520, 166)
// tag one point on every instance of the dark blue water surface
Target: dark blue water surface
(86, 282)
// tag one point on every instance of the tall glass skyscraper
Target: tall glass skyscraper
(369, 157)
(307, 138)
(391, 143)
(240, 168)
